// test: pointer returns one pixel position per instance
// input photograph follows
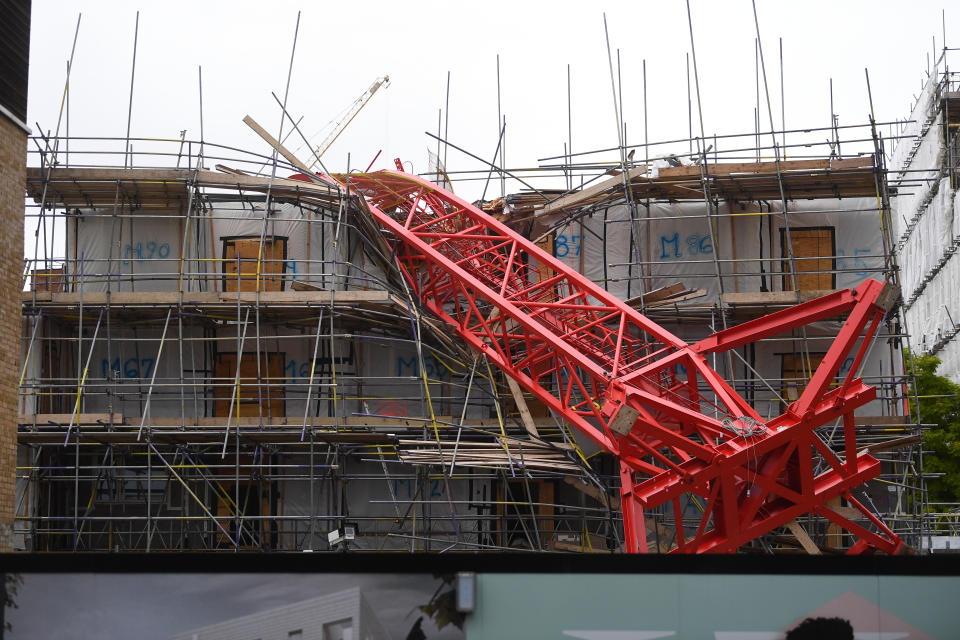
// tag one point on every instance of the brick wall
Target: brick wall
(13, 153)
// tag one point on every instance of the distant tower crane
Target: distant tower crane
(348, 116)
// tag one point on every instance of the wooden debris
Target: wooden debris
(273, 142)
(740, 182)
(525, 417)
(152, 189)
(509, 453)
(593, 193)
(773, 297)
(300, 285)
(803, 538)
(657, 294)
(561, 545)
(665, 295)
(686, 294)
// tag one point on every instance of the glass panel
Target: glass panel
(339, 630)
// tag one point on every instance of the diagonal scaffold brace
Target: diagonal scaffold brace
(637, 391)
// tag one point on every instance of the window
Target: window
(295, 635)
(814, 249)
(339, 630)
(243, 254)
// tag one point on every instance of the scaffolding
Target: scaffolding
(220, 352)
(141, 428)
(712, 287)
(925, 174)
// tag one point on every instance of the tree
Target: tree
(939, 406)
(442, 608)
(8, 592)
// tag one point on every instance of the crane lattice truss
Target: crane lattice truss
(639, 392)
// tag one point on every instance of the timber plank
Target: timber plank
(166, 298)
(154, 188)
(581, 197)
(44, 419)
(773, 297)
(768, 167)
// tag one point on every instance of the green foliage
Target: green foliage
(940, 406)
(442, 608)
(8, 593)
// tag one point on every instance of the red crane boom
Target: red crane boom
(613, 374)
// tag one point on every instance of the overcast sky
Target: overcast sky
(244, 50)
(154, 607)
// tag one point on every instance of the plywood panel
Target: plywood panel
(254, 397)
(244, 253)
(814, 249)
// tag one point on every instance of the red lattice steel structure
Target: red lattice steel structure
(613, 374)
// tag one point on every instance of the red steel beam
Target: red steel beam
(610, 372)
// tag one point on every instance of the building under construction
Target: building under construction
(225, 350)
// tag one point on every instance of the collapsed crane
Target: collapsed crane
(617, 377)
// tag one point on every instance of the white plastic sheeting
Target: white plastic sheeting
(950, 359)
(857, 232)
(317, 250)
(380, 378)
(606, 247)
(933, 234)
(677, 240)
(130, 253)
(393, 383)
(926, 221)
(141, 252)
(922, 178)
(935, 314)
(919, 117)
(126, 366)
